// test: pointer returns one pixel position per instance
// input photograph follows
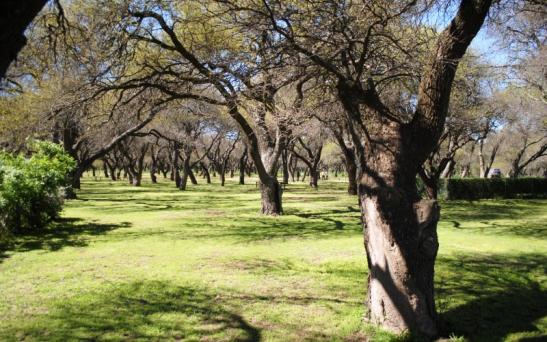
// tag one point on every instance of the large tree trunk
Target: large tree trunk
(401, 244)
(400, 236)
(271, 194)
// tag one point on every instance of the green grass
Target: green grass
(155, 263)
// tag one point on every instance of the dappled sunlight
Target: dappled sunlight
(158, 263)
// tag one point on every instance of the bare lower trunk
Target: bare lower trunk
(314, 178)
(153, 177)
(271, 192)
(285, 165)
(207, 175)
(112, 170)
(193, 179)
(401, 244)
(74, 178)
(185, 174)
(222, 174)
(351, 169)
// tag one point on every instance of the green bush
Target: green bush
(479, 188)
(31, 189)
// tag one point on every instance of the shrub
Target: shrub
(31, 189)
(477, 188)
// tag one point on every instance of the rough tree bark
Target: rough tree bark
(400, 229)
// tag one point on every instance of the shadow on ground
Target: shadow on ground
(488, 212)
(147, 310)
(65, 232)
(500, 295)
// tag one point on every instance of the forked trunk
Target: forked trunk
(400, 238)
(271, 192)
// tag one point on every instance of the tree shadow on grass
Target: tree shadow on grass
(64, 232)
(497, 217)
(489, 298)
(145, 310)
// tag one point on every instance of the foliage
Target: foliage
(30, 193)
(478, 188)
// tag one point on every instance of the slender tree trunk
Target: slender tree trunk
(242, 163)
(193, 179)
(482, 167)
(153, 176)
(185, 174)
(113, 172)
(175, 173)
(351, 169)
(222, 175)
(285, 164)
(206, 173)
(153, 169)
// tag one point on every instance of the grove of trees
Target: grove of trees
(377, 93)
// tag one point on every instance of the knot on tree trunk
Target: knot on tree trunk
(428, 213)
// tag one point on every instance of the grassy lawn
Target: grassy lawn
(155, 263)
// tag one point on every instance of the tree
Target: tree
(307, 146)
(525, 131)
(472, 116)
(367, 50)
